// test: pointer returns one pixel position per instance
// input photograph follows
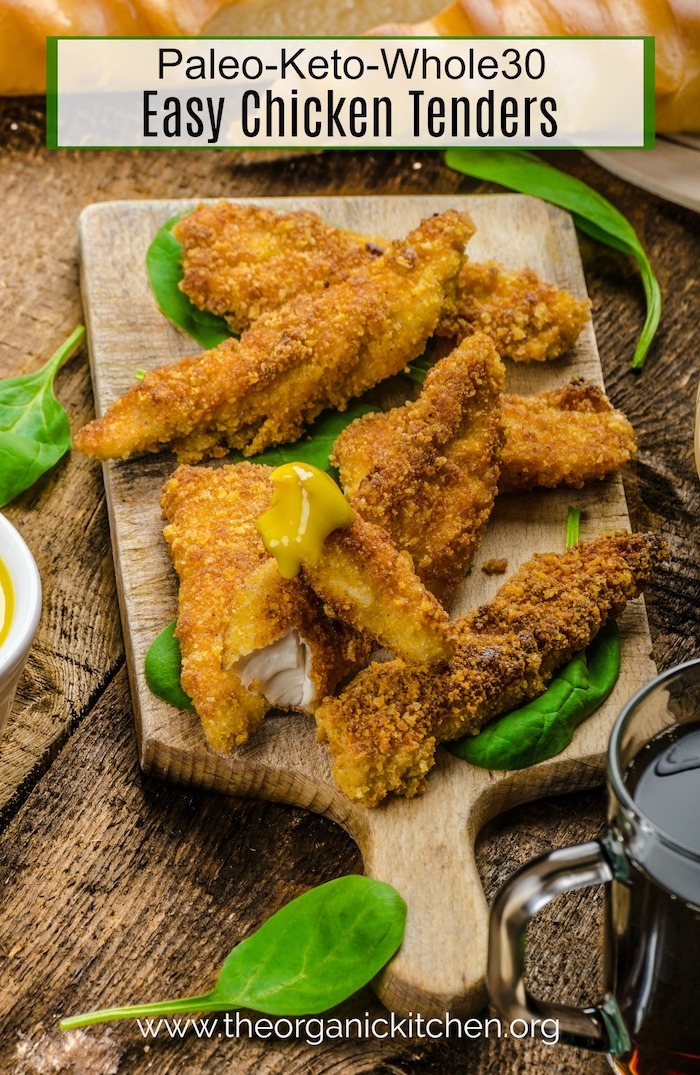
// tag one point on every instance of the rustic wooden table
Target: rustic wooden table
(116, 887)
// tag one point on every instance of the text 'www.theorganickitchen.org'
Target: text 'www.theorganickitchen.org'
(315, 1030)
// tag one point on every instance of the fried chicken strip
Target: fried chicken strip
(428, 472)
(221, 562)
(568, 436)
(384, 728)
(363, 582)
(358, 589)
(318, 351)
(527, 319)
(241, 261)
(370, 584)
(214, 546)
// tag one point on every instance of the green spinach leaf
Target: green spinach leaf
(316, 444)
(34, 429)
(543, 727)
(419, 368)
(164, 268)
(163, 667)
(593, 214)
(309, 956)
(573, 526)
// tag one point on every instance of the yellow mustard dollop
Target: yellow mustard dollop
(306, 507)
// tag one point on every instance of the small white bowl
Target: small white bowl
(26, 585)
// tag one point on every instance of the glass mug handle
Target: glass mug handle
(529, 890)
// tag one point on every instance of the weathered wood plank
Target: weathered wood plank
(136, 890)
(79, 644)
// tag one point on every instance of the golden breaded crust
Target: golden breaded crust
(369, 584)
(383, 729)
(527, 319)
(495, 566)
(171, 401)
(428, 472)
(215, 545)
(241, 261)
(319, 351)
(568, 436)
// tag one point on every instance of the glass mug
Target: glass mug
(649, 1020)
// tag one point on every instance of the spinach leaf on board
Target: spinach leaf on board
(34, 429)
(164, 268)
(573, 526)
(316, 444)
(309, 956)
(592, 213)
(419, 368)
(163, 667)
(545, 726)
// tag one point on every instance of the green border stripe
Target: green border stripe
(52, 92)
(351, 37)
(649, 92)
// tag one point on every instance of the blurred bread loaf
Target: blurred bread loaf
(25, 24)
(675, 24)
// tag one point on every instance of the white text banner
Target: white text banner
(358, 93)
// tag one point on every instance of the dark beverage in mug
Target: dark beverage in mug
(648, 1022)
(653, 916)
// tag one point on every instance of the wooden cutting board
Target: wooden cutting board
(424, 846)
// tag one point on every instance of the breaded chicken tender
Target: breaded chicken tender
(214, 545)
(384, 728)
(428, 472)
(318, 351)
(527, 319)
(223, 565)
(568, 436)
(240, 261)
(361, 591)
(368, 583)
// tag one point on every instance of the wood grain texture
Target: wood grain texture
(83, 923)
(78, 646)
(255, 856)
(407, 843)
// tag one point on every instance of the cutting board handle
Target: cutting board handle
(440, 965)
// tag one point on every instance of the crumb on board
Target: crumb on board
(495, 567)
